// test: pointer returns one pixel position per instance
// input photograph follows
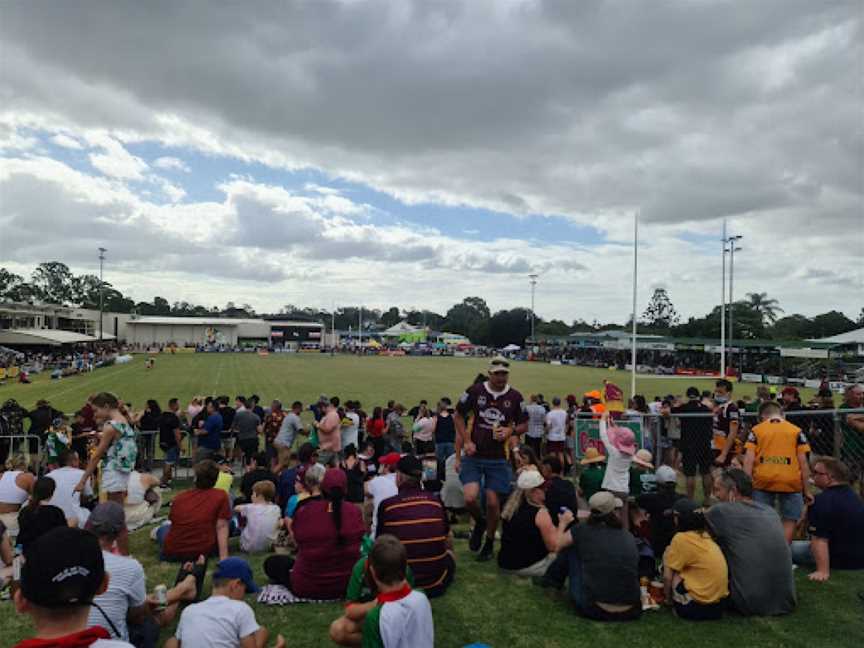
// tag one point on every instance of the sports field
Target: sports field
(482, 605)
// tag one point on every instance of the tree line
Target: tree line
(756, 316)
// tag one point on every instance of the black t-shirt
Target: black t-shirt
(227, 413)
(659, 506)
(610, 564)
(561, 492)
(695, 431)
(34, 521)
(445, 429)
(168, 422)
(521, 541)
(149, 421)
(837, 515)
(253, 477)
(40, 420)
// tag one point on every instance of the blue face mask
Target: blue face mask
(720, 399)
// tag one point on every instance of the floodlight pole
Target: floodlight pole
(360, 329)
(733, 248)
(723, 305)
(635, 275)
(533, 281)
(102, 252)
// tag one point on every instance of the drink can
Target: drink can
(161, 592)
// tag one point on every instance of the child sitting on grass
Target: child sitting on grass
(262, 519)
(398, 617)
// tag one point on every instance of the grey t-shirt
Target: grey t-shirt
(536, 420)
(760, 565)
(291, 426)
(246, 423)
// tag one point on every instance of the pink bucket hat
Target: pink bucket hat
(622, 438)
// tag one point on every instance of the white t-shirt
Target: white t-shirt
(350, 433)
(424, 428)
(218, 622)
(110, 643)
(262, 526)
(617, 477)
(379, 489)
(556, 425)
(127, 588)
(407, 623)
(536, 417)
(64, 498)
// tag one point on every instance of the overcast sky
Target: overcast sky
(415, 153)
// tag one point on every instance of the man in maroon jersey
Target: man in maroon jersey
(496, 411)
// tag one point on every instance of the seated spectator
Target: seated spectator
(601, 560)
(7, 555)
(327, 531)
(592, 473)
(355, 470)
(525, 459)
(418, 519)
(658, 506)
(224, 619)
(835, 521)
(225, 477)
(399, 616)
(59, 613)
(560, 492)
(257, 469)
(642, 478)
(143, 499)
(307, 455)
(776, 461)
(695, 574)
(39, 517)
(198, 519)
(308, 485)
(528, 538)
(380, 487)
(262, 518)
(752, 540)
(65, 497)
(16, 484)
(452, 494)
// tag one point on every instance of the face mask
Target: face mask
(720, 399)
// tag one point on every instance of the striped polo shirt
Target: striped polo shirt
(419, 520)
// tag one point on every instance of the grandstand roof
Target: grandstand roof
(849, 337)
(216, 321)
(47, 337)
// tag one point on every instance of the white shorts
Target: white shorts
(114, 481)
(10, 521)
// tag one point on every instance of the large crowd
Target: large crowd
(358, 506)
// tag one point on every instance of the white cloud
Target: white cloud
(171, 164)
(116, 161)
(64, 141)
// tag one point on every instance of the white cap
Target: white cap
(666, 475)
(529, 479)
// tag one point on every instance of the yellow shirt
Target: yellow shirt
(700, 562)
(224, 481)
(776, 444)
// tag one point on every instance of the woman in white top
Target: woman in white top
(143, 500)
(620, 443)
(16, 484)
(194, 409)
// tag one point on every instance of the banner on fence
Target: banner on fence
(750, 377)
(587, 433)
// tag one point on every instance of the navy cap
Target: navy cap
(236, 568)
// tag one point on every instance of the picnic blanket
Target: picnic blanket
(281, 595)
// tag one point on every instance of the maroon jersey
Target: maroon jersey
(504, 408)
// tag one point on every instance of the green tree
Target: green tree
(390, 317)
(792, 327)
(470, 318)
(552, 327)
(53, 282)
(10, 284)
(831, 323)
(767, 308)
(661, 313)
(510, 327)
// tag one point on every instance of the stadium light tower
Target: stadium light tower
(733, 248)
(533, 279)
(102, 252)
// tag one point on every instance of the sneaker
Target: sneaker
(487, 552)
(477, 535)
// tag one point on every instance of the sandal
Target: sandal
(197, 572)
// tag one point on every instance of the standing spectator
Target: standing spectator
(418, 519)
(228, 437)
(536, 424)
(193, 409)
(375, 429)
(695, 574)
(445, 431)
(696, 456)
(836, 523)
(793, 408)
(272, 425)
(254, 405)
(199, 519)
(555, 423)
(247, 427)
(329, 435)
(424, 432)
(852, 428)
(776, 461)
(560, 492)
(753, 543)
(209, 434)
(170, 439)
(350, 432)
(528, 537)
(498, 414)
(726, 422)
(291, 427)
(395, 428)
(620, 444)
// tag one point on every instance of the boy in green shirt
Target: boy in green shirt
(58, 440)
(593, 471)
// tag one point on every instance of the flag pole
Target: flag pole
(635, 274)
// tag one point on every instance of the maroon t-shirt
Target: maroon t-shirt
(323, 566)
(193, 516)
(506, 409)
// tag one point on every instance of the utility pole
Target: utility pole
(533, 280)
(102, 252)
(360, 329)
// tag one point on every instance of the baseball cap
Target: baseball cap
(62, 567)
(666, 475)
(334, 478)
(499, 364)
(108, 518)
(685, 506)
(604, 502)
(529, 479)
(236, 568)
(410, 465)
(390, 459)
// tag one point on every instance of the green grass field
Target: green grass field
(482, 605)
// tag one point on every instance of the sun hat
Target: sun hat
(666, 475)
(232, 568)
(604, 502)
(643, 458)
(622, 439)
(529, 479)
(592, 455)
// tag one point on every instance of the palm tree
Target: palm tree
(767, 308)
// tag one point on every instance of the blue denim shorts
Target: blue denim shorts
(492, 474)
(172, 455)
(791, 504)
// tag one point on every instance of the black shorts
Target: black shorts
(424, 447)
(699, 460)
(688, 608)
(248, 446)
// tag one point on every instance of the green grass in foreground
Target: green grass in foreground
(482, 605)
